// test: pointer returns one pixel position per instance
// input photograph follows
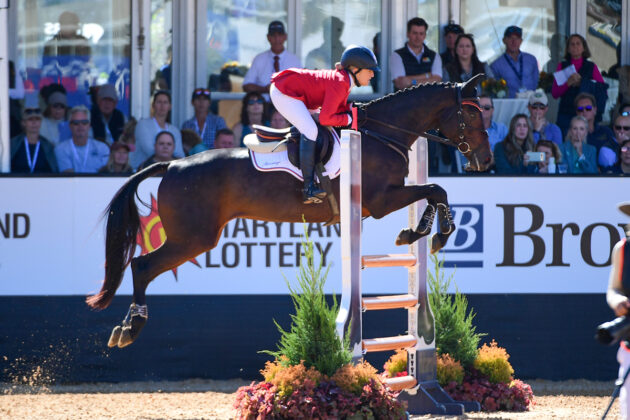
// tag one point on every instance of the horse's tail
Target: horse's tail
(123, 224)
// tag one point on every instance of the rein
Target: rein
(392, 143)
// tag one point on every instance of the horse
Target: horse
(200, 194)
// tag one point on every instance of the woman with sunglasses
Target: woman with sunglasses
(624, 159)
(253, 111)
(204, 123)
(466, 64)
(298, 92)
(576, 54)
(580, 157)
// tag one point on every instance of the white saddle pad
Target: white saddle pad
(279, 161)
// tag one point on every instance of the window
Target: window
(161, 44)
(236, 33)
(329, 26)
(428, 10)
(76, 44)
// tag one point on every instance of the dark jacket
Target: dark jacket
(411, 64)
(46, 148)
(116, 124)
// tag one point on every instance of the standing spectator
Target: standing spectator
(576, 54)
(451, 31)
(325, 56)
(81, 154)
(118, 162)
(204, 123)
(252, 112)
(277, 120)
(191, 142)
(271, 61)
(164, 147)
(225, 139)
(148, 128)
(551, 150)
(609, 153)
(54, 123)
(107, 121)
(598, 135)
(510, 154)
(543, 129)
(67, 42)
(30, 152)
(415, 63)
(580, 157)
(518, 68)
(466, 64)
(496, 130)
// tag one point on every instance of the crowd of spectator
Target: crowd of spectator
(100, 139)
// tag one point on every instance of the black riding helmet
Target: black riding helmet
(359, 57)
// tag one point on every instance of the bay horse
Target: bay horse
(200, 194)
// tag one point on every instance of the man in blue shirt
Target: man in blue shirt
(518, 68)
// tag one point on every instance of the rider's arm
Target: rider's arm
(614, 295)
(334, 110)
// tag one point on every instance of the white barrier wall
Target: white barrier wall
(515, 235)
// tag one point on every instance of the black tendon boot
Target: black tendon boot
(311, 192)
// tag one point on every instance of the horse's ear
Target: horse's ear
(469, 88)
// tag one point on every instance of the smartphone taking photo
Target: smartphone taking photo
(535, 157)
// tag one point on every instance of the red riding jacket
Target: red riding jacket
(325, 89)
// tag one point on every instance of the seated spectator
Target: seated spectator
(551, 150)
(580, 157)
(275, 59)
(118, 162)
(510, 154)
(518, 68)
(191, 142)
(148, 128)
(598, 135)
(107, 121)
(31, 152)
(466, 63)
(252, 112)
(164, 148)
(609, 154)
(277, 120)
(81, 154)
(576, 53)
(451, 31)
(204, 123)
(225, 139)
(496, 130)
(624, 160)
(54, 124)
(538, 106)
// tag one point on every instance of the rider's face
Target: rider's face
(364, 76)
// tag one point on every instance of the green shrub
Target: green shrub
(492, 362)
(455, 332)
(312, 338)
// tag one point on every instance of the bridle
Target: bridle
(397, 145)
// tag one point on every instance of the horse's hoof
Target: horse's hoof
(113, 339)
(436, 243)
(406, 237)
(129, 333)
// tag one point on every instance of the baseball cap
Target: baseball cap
(513, 30)
(453, 28)
(276, 27)
(538, 97)
(107, 91)
(57, 98)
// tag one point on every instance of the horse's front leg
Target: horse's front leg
(437, 201)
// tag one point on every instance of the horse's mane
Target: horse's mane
(409, 91)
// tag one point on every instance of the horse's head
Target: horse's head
(463, 125)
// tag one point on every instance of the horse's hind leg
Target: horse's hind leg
(144, 269)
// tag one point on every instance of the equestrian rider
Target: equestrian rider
(297, 92)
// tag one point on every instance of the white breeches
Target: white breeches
(294, 111)
(623, 357)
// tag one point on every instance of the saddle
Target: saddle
(270, 140)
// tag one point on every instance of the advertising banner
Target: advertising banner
(514, 235)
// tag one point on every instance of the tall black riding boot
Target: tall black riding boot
(311, 192)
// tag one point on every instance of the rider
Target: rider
(296, 91)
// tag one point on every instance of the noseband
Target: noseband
(461, 126)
